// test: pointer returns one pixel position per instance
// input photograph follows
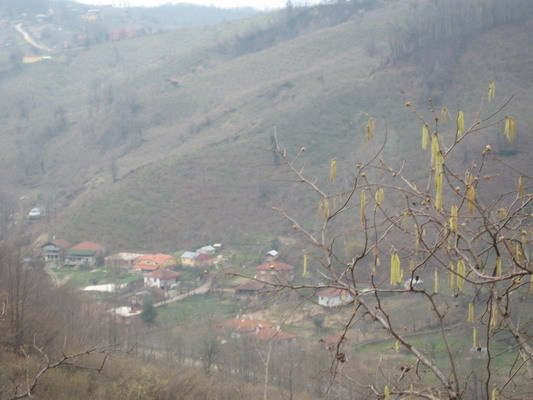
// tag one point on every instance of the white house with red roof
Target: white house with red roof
(250, 328)
(334, 297)
(162, 278)
(275, 272)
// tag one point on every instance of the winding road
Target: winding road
(29, 39)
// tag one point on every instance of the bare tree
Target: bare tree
(454, 246)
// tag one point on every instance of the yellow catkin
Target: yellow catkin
(494, 318)
(434, 148)
(425, 136)
(518, 252)
(436, 288)
(397, 346)
(453, 218)
(470, 312)
(460, 123)
(304, 273)
(369, 130)
(510, 129)
(461, 272)
(474, 337)
(333, 170)
(470, 193)
(379, 196)
(444, 116)
(439, 161)
(363, 208)
(521, 189)
(495, 394)
(395, 269)
(502, 213)
(320, 209)
(492, 90)
(387, 393)
(531, 284)
(326, 208)
(498, 266)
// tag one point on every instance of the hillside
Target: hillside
(165, 141)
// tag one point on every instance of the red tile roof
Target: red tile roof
(163, 274)
(267, 334)
(275, 265)
(88, 246)
(241, 325)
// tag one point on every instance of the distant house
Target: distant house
(249, 289)
(152, 262)
(334, 297)
(54, 251)
(196, 259)
(188, 258)
(173, 81)
(121, 260)
(204, 260)
(162, 278)
(250, 328)
(240, 325)
(210, 250)
(84, 254)
(272, 255)
(31, 58)
(275, 272)
(271, 334)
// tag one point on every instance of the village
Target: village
(120, 285)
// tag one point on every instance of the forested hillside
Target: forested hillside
(165, 131)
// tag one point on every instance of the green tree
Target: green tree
(148, 312)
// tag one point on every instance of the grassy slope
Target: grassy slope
(191, 159)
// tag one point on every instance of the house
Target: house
(84, 254)
(54, 251)
(268, 334)
(204, 260)
(162, 278)
(334, 297)
(31, 58)
(250, 328)
(189, 258)
(152, 262)
(275, 272)
(210, 250)
(121, 260)
(239, 326)
(249, 289)
(272, 255)
(195, 259)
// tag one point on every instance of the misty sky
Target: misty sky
(261, 4)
